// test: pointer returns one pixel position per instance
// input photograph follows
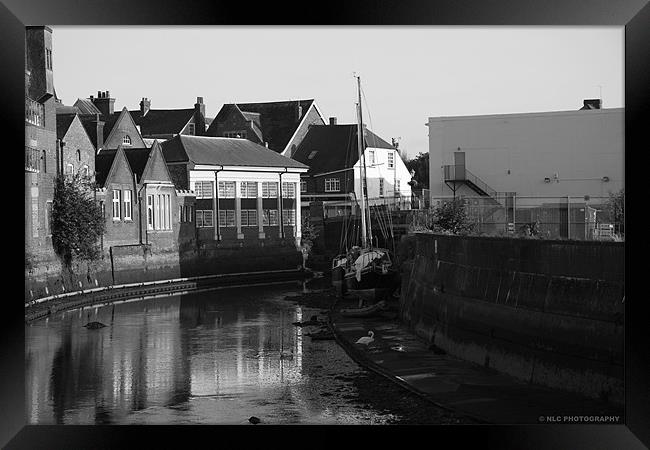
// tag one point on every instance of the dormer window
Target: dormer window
(190, 129)
(126, 140)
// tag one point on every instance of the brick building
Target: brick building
(280, 126)
(162, 124)
(139, 199)
(77, 153)
(40, 141)
(245, 193)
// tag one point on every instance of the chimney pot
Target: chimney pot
(332, 120)
(99, 94)
(199, 100)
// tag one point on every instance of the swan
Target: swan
(366, 339)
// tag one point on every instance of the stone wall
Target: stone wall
(546, 312)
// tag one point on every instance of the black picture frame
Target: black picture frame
(634, 15)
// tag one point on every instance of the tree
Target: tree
(615, 209)
(420, 167)
(77, 220)
(451, 217)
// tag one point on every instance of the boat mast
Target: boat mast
(365, 222)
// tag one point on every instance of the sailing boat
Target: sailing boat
(366, 271)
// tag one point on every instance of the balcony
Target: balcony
(32, 159)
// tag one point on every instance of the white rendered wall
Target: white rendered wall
(515, 152)
(380, 170)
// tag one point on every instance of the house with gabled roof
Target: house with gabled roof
(334, 176)
(246, 194)
(139, 198)
(280, 126)
(164, 124)
(76, 150)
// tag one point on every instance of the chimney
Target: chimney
(100, 132)
(145, 105)
(593, 103)
(104, 102)
(332, 120)
(299, 111)
(199, 117)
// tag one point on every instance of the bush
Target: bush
(77, 220)
(450, 217)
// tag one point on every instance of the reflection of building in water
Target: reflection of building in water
(244, 353)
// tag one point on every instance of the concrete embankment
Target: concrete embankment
(546, 312)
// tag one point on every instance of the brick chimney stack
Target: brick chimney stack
(145, 106)
(104, 102)
(199, 117)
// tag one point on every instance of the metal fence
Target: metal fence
(578, 218)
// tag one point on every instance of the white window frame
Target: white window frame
(288, 189)
(332, 184)
(371, 157)
(289, 217)
(235, 134)
(204, 218)
(69, 169)
(128, 204)
(150, 212)
(201, 191)
(391, 160)
(191, 129)
(117, 204)
(126, 140)
(248, 189)
(248, 217)
(303, 186)
(269, 189)
(227, 218)
(226, 189)
(381, 187)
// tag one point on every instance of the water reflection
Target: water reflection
(199, 358)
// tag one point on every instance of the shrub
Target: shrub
(77, 220)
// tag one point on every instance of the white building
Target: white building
(334, 177)
(253, 191)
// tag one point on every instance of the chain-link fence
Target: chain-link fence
(578, 218)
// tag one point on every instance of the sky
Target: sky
(408, 74)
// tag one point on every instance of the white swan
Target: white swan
(366, 339)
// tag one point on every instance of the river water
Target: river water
(199, 358)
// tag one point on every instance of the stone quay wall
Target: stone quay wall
(546, 312)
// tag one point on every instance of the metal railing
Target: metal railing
(451, 174)
(543, 217)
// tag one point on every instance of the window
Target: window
(303, 186)
(48, 218)
(69, 168)
(189, 214)
(127, 205)
(227, 218)
(34, 112)
(332, 185)
(159, 212)
(248, 218)
(181, 213)
(204, 218)
(270, 217)
(371, 156)
(116, 204)
(289, 217)
(288, 190)
(48, 58)
(249, 189)
(269, 189)
(44, 157)
(78, 155)
(190, 129)
(391, 160)
(149, 212)
(84, 170)
(203, 189)
(381, 187)
(126, 140)
(226, 189)
(397, 189)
